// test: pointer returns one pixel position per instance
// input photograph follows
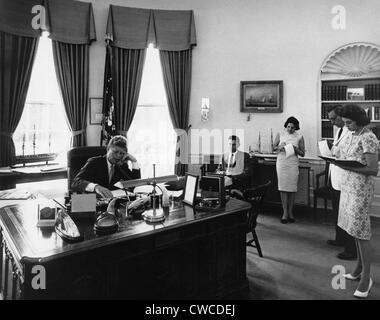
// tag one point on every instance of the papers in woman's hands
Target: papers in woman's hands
(324, 148)
(327, 155)
(289, 150)
(349, 163)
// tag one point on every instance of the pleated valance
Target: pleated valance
(70, 21)
(16, 17)
(135, 28)
(174, 30)
(129, 28)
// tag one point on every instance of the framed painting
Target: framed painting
(261, 96)
(96, 110)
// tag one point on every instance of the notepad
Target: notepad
(289, 150)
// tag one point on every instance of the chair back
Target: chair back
(255, 196)
(77, 158)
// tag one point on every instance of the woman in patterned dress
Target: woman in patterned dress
(357, 190)
(287, 165)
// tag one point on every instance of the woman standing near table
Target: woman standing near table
(357, 190)
(289, 144)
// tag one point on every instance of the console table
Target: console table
(190, 255)
(29, 174)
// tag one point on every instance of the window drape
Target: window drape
(127, 68)
(72, 28)
(176, 69)
(129, 31)
(18, 46)
(17, 56)
(72, 68)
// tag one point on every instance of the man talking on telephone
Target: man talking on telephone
(99, 174)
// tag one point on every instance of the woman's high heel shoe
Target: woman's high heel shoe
(284, 221)
(360, 294)
(349, 276)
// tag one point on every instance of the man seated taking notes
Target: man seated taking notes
(99, 174)
(236, 165)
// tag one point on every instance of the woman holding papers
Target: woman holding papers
(289, 144)
(357, 190)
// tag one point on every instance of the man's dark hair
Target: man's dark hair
(118, 141)
(234, 138)
(294, 121)
(355, 113)
(336, 108)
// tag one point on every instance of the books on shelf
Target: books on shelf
(372, 91)
(334, 93)
(376, 113)
(327, 130)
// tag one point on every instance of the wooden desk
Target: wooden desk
(31, 174)
(190, 255)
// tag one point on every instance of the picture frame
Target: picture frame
(96, 110)
(190, 190)
(261, 96)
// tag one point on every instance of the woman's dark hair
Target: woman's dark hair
(294, 121)
(355, 113)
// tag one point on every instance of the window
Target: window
(43, 128)
(151, 137)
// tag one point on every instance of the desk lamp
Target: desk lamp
(154, 215)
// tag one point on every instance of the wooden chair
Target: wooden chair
(323, 191)
(255, 196)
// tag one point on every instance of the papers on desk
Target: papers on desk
(15, 194)
(119, 193)
(324, 148)
(83, 202)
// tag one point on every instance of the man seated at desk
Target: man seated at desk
(237, 166)
(99, 174)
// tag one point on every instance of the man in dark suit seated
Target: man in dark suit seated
(237, 166)
(99, 174)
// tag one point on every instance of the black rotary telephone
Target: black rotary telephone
(108, 222)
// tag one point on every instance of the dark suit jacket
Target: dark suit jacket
(96, 171)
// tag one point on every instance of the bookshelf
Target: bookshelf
(363, 92)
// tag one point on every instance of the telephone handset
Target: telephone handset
(137, 207)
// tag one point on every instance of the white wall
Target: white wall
(253, 40)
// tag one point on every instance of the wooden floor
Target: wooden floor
(297, 262)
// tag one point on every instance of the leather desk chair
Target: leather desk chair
(77, 158)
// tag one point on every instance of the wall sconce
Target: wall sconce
(205, 108)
